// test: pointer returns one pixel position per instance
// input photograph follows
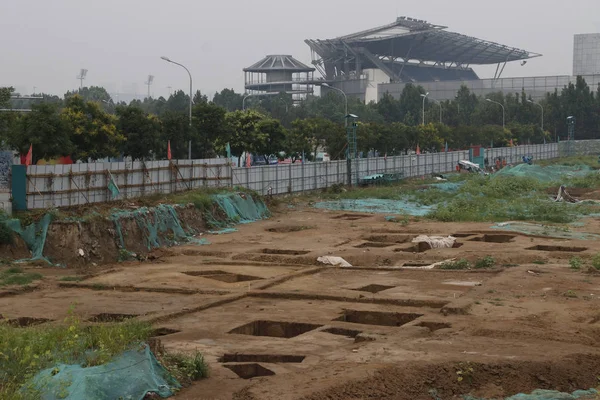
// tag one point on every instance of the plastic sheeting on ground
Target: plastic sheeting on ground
(551, 173)
(544, 230)
(160, 226)
(335, 261)
(238, 208)
(563, 195)
(34, 235)
(380, 206)
(131, 375)
(436, 242)
(449, 187)
(541, 394)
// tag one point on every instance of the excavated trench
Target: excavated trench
(377, 317)
(274, 329)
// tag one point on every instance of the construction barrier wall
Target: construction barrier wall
(77, 184)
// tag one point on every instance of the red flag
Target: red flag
(418, 149)
(29, 157)
(169, 150)
(248, 160)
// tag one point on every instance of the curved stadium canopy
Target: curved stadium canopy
(410, 41)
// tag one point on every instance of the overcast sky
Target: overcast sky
(46, 42)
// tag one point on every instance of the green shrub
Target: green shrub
(575, 263)
(456, 265)
(485, 263)
(596, 261)
(186, 368)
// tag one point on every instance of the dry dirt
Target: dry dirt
(274, 323)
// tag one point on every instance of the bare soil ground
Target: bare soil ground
(274, 323)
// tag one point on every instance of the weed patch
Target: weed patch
(456, 265)
(17, 276)
(26, 351)
(486, 262)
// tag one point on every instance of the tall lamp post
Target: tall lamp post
(424, 96)
(503, 112)
(345, 99)
(167, 59)
(244, 101)
(542, 107)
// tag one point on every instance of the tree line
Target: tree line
(88, 124)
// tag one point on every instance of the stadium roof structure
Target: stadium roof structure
(279, 63)
(405, 42)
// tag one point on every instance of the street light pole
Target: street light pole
(424, 96)
(345, 98)
(503, 112)
(542, 107)
(244, 102)
(167, 59)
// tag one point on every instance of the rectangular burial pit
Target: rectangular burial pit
(406, 238)
(543, 247)
(494, 238)
(374, 288)
(374, 245)
(285, 252)
(256, 358)
(223, 276)
(248, 371)
(276, 329)
(377, 317)
(351, 333)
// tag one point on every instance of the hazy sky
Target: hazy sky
(45, 42)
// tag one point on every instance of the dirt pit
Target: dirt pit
(256, 358)
(164, 332)
(285, 252)
(568, 249)
(374, 245)
(249, 371)
(26, 321)
(494, 238)
(377, 317)
(223, 276)
(434, 326)
(107, 317)
(289, 229)
(351, 333)
(374, 288)
(274, 329)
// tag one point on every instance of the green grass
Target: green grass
(596, 261)
(26, 351)
(17, 276)
(71, 278)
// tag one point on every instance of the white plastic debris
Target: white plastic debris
(335, 261)
(436, 242)
(81, 253)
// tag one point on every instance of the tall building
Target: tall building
(586, 54)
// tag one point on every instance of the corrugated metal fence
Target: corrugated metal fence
(69, 185)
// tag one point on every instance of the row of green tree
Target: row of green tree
(88, 124)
